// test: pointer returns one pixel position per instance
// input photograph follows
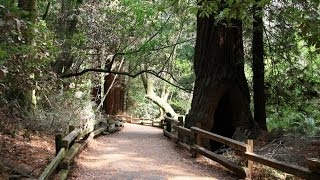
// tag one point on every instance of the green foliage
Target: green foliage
(149, 34)
(226, 11)
(294, 96)
(294, 122)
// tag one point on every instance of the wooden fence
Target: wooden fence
(244, 150)
(141, 121)
(68, 147)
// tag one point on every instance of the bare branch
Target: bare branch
(152, 72)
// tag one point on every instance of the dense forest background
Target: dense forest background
(65, 62)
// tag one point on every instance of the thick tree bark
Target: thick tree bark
(113, 100)
(221, 96)
(109, 102)
(258, 70)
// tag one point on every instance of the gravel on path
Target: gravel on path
(141, 152)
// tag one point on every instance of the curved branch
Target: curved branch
(154, 73)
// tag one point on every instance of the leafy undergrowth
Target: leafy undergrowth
(26, 150)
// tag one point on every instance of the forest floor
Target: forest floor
(22, 151)
(138, 152)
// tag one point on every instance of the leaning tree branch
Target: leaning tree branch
(152, 72)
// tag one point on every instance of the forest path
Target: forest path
(141, 152)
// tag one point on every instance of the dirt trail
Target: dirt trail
(141, 152)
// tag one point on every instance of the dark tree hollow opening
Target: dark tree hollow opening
(223, 121)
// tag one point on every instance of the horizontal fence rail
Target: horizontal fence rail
(49, 170)
(245, 150)
(221, 139)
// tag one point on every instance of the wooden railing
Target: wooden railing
(68, 147)
(245, 150)
(139, 120)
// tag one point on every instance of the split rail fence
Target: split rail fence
(68, 147)
(245, 150)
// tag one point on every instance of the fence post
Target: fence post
(180, 137)
(180, 119)
(71, 128)
(58, 138)
(198, 138)
(196, 141)
(193, 149)
(168, 126)
(249, 163)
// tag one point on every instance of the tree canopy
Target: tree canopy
(140, 58)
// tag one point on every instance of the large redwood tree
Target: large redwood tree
(221, 96)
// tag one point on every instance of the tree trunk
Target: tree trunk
(258, 70)
(221, 96)
(109, 102)
(67, 28)
(30, 7)
(113, 99)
